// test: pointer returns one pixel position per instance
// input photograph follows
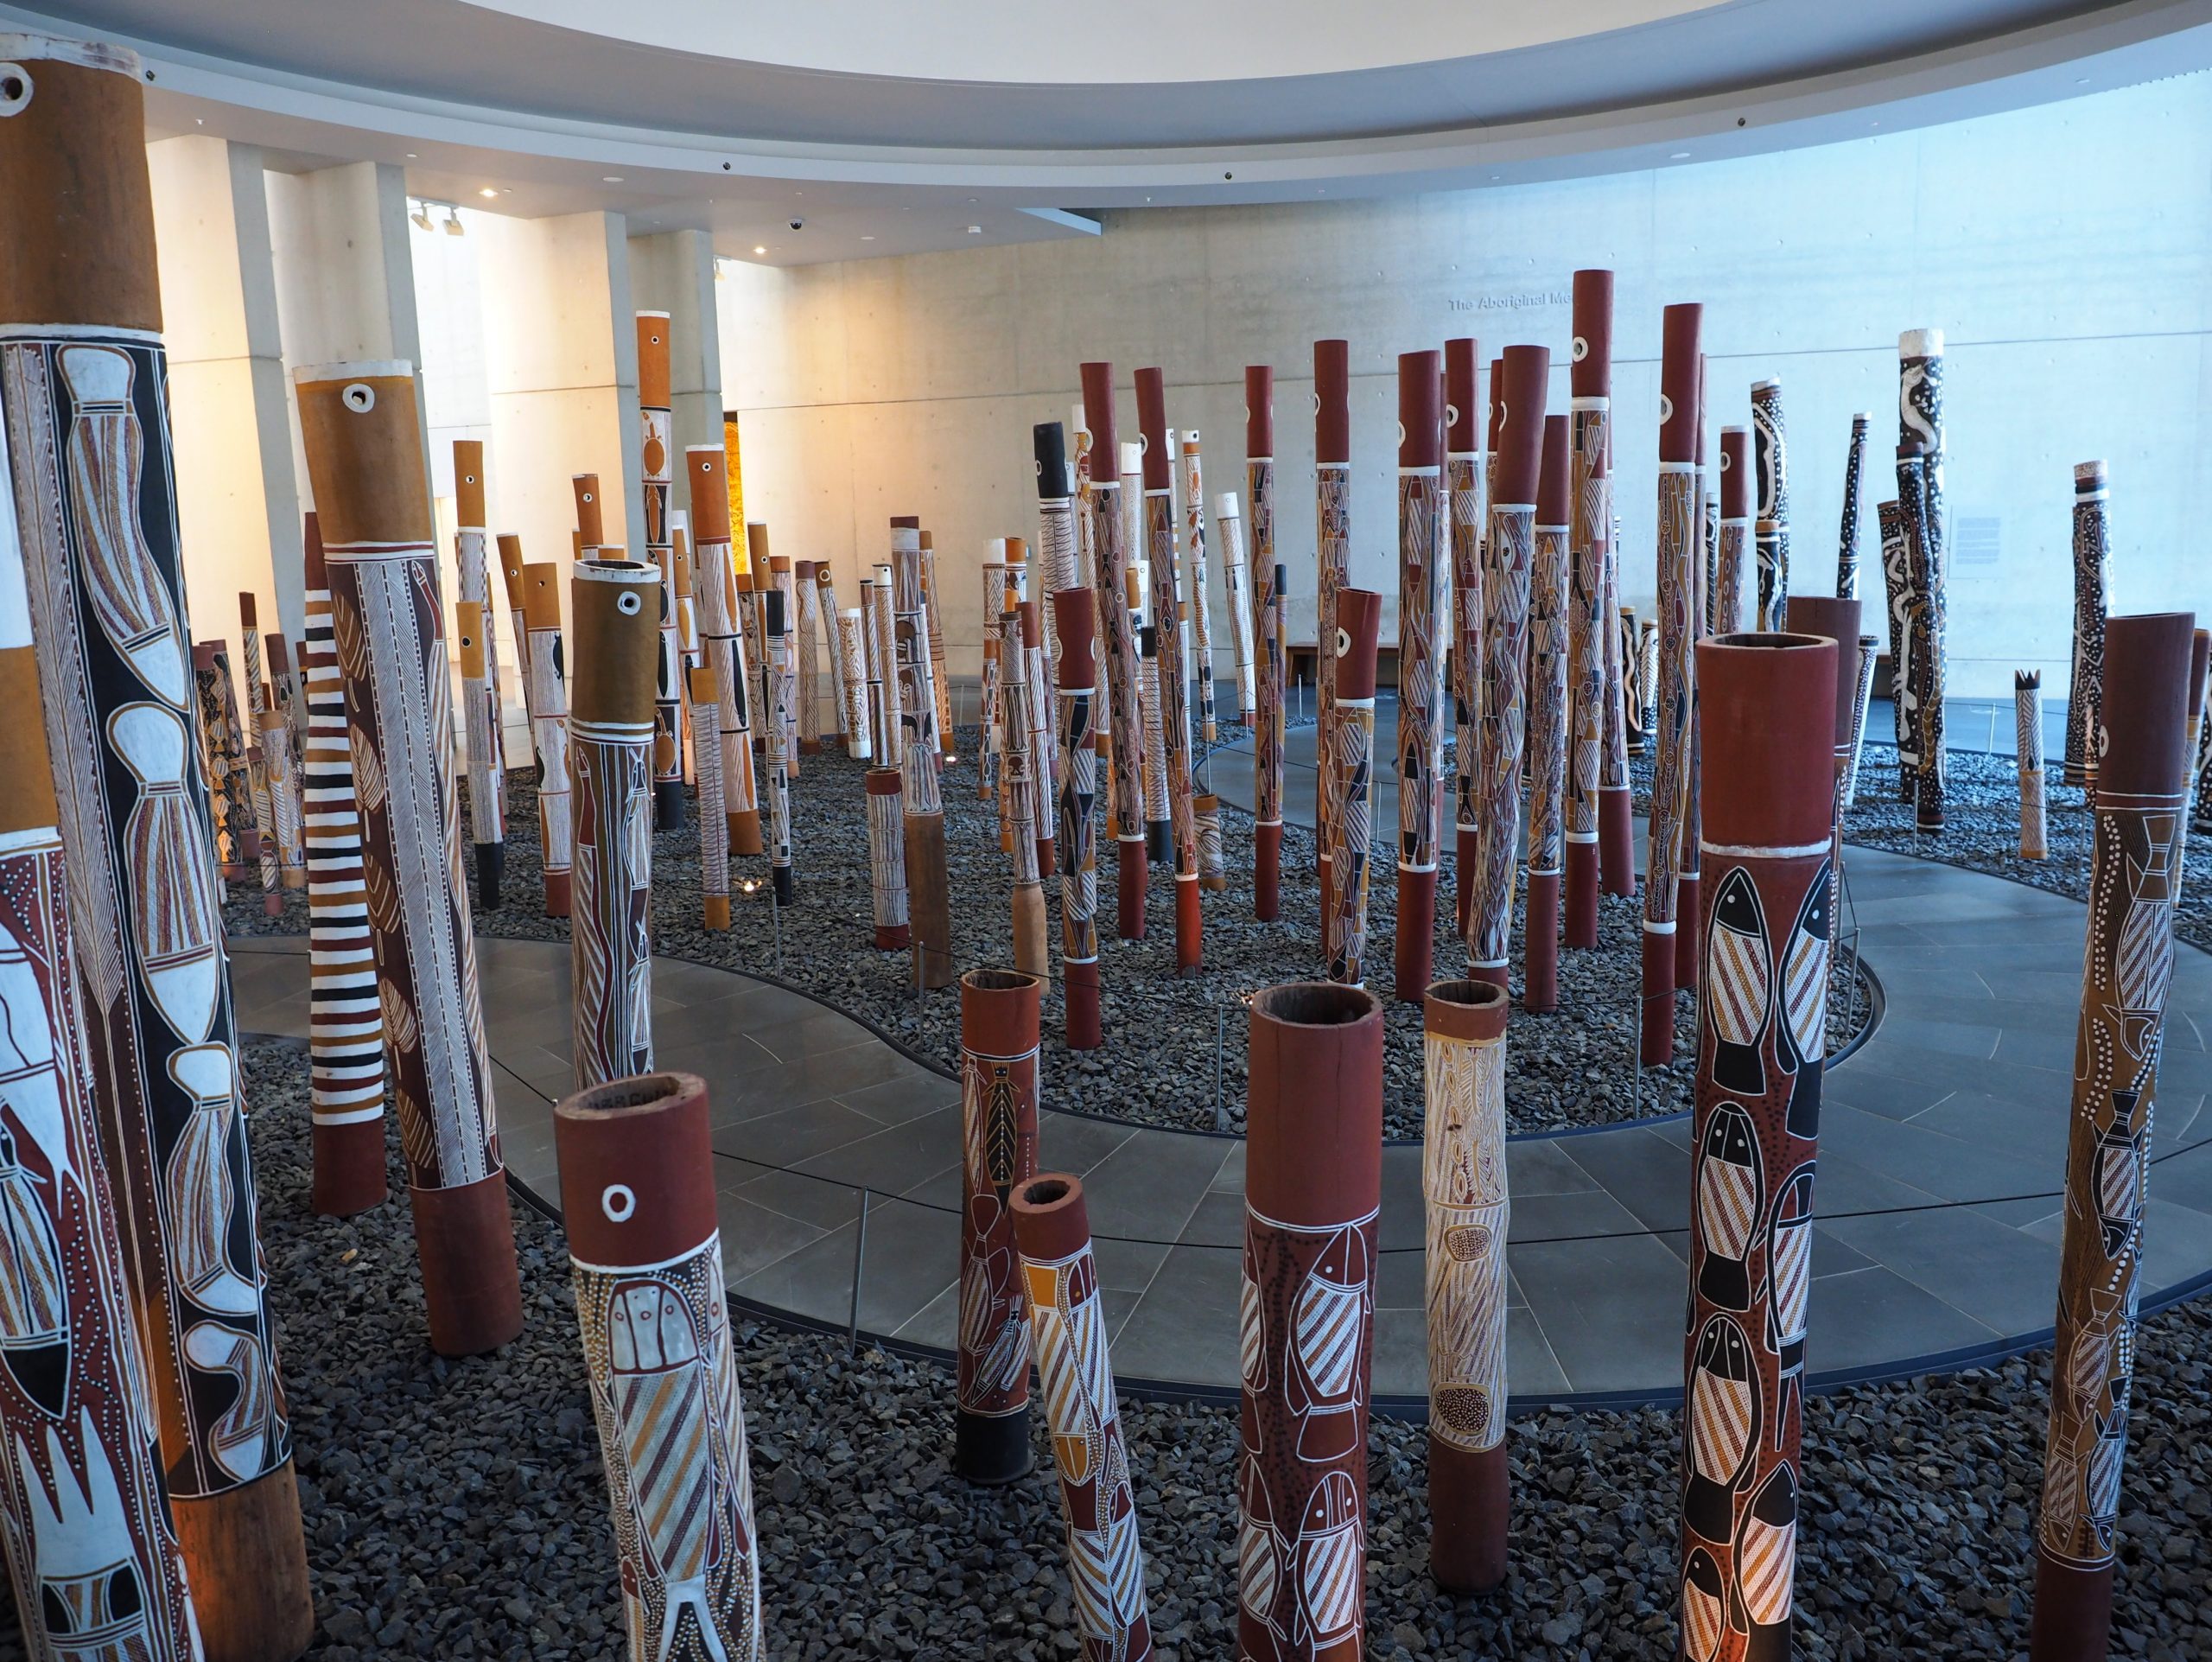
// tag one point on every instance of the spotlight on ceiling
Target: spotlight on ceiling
(487, 193)
(420, 216)
(453, 226)
(759, 248)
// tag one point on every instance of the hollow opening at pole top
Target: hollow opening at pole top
(640, 1094)
(1315, 1004)
(1771, 638)
(999, 980)
(1048, 1191)
(1475, 995)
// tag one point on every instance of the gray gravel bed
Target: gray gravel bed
(455, 1510)
(1175, 1050)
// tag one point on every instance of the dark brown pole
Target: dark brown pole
(1271, 669)
(1174, 673)
(2091, 552)
(1077, 620)
(1312, 1195)
(1589, 618)
(1920, 495)
(1423, 629)
(1462, 1181)
(1333, 570)
(1547, 729)
(1463, 469)
(2134, 875)
(1770, 718)
(921, 756)
(1125, 721)
(998, 1115)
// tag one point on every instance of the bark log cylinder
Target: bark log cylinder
(2092, 555)
(886, 859)
(1770, 719)
(1332, 571)
(1463, 487)
(638, 1200)
(549, 702)
(1422, 631)
(1078, 843)
(1313, 1197)
(1270, 661)
(2027, 727)
(478, 649)
(1124, 719)
(928, 893)
(1549, 738)
(1068, 1329)
(1463, 1183)
(614, 627)
(1348, 784)
(360, 432)
(2135, 864)
(999, 1049)
(721, 634)
(1174, 670)
(655, 454)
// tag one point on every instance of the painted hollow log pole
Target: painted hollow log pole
(1333, 570)
(614, 626)
(844, 674)
(1031, 950)
(478, 648)
(940, 683)
(1159, 829)
(886, 859)
(508, 547)
(1821, 614)
(1124, 721)
(714, 821)
(1589, 510)
(209, 666)
(1896, 584)
(1349, 787)
(1463, 1183)
(1616, 839)
(1862, 698)
(98, 1570)
(83, 389)
(548, 703)
(783, 742)
(998, 1118)
(1641, 649)
(283, 799)
(1423, 625)
(637, 1199)
(345, 1013)
(1509, 548)
(1735, 529)
(1057, 567)
(1270, 665)
(1689, 875)
(783, 581)
(1548, 731)
(2027, 720)
(1077, 842)
(264, 821)
(806, 656)
(1194, 545)
(2134, 876)
(1463, 489)
(1312, 1196)
(988, 785)
(722, 642)
(364, 451)
(1770, 704)
(285, 692)
(655, 479)
(884, 658)
(1175, 671)
(753, 579)
(1854, 473)
(929, 896)
(1044, 759)
(2200, 659)
(852, 659)
(1237, 585)
(1067, 1326)
(1770, 528)
(238, 776)
(1920, 495)
(1677, 595)
(2092, 559)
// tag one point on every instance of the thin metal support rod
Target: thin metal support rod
(860, 1263)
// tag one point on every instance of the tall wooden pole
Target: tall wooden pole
(1348, 785)
(1422, 675)
(721, 638)
(2135, 864)
(1269, 665)
(1508, 547)
(1677, 587)
(783, 740)
(1770, 718)
(614, 627)
(364, 447)
(549, 701)
(98, 1570)
(1468, 1210)
(1462, 484)
(1854, 473)
(1031, 953)
(1920, 496)
(508, 546)
(1333, 570)
(1078, 829)
(1194, 551)
(1125, 721)
(1236, 585)
(1588, 621)
(1313, 1197)
(1770, 534)
(940, 683)
(1174, 672)
(886, 859)
(998, 1114)
(655, 478)
(2092, 554)
(1548, 607)
(345, 1064)
(929, 895)
(637, 1199)
(478, 648)
(1735, 529)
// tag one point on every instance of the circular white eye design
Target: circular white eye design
(627, 602)
(466, 641)
(1144, 441)
(1344, 643)
(360, 397)
(1582, 349)
(15, 88)
(469, 478)
(618, 1202)
(1665, 410)
(706, 466)
(1451, 415)
(1726, 462)
(589, 498)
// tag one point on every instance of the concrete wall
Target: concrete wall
(2066, 252)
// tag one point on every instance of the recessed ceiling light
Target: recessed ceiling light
(487, 192)
(410, 156)
(610, 178)
(759, 248)
(867, 238)
(1680, 156)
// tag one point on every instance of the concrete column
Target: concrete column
(561, 364)
(674, 273)
(238, 501)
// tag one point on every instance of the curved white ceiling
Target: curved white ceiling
(1134, 41)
